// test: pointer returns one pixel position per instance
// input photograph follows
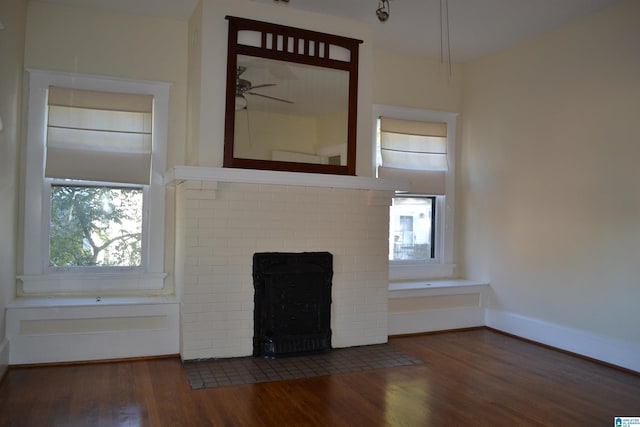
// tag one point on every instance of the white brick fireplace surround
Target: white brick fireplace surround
(224, 216)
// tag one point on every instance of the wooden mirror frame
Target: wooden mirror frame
(317, 56)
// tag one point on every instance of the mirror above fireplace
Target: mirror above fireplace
(291, 99)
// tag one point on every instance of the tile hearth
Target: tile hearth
(208, 373)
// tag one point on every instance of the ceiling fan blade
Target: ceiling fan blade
(259, 86)
(271, 97)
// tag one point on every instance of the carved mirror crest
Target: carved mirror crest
(291, 100)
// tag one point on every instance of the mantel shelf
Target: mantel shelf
(254, 176)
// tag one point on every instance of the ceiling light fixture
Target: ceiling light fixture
(241, 103)
(383, 10)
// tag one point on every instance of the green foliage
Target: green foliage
(95, 226)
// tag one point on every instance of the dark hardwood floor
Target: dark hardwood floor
(469, 378)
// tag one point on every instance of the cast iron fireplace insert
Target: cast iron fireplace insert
(292, 312)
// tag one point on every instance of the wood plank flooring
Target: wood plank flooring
(475, 378)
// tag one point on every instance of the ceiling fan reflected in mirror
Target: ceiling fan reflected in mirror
(245, 87)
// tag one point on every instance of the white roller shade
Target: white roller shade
(416, 152)
(421, 182)
(99, 136)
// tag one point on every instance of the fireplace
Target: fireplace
(221, 224)
(292, 303)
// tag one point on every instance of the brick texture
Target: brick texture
(224, 224)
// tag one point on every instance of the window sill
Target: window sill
(410, 289)
(91, 283)
(45, 302)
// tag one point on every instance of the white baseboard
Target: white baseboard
(601, 348)
(435, 320)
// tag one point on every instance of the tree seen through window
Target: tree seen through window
(95, 226)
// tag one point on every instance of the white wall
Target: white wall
(91, 41)
(194, 86)
(547, 199)
(277, 132)
(13, 16)
(549, 182)
(73, 39)
(414, 82)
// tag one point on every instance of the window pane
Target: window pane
(412, 228)
(95, 226)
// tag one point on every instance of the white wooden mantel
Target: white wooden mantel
(254, 176)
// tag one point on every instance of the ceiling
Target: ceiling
(477, 27)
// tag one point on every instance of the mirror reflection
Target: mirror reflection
(292, 112)
(291, 99)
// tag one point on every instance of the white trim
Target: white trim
(84, 330)
(253, 176)
(435, 287)
(439, 319)
(598, 347)
(35, 208)
(97, 282)
(608, 350)
(63, 302)
(412, 271)
(435, 320)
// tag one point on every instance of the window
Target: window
(95, 226)
(412, 228)
(418, 147)
(94, 195)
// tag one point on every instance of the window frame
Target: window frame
(435, 245)
(442, 266)
(48, 268)
(37, 277)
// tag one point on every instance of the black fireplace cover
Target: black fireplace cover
(292, 313)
